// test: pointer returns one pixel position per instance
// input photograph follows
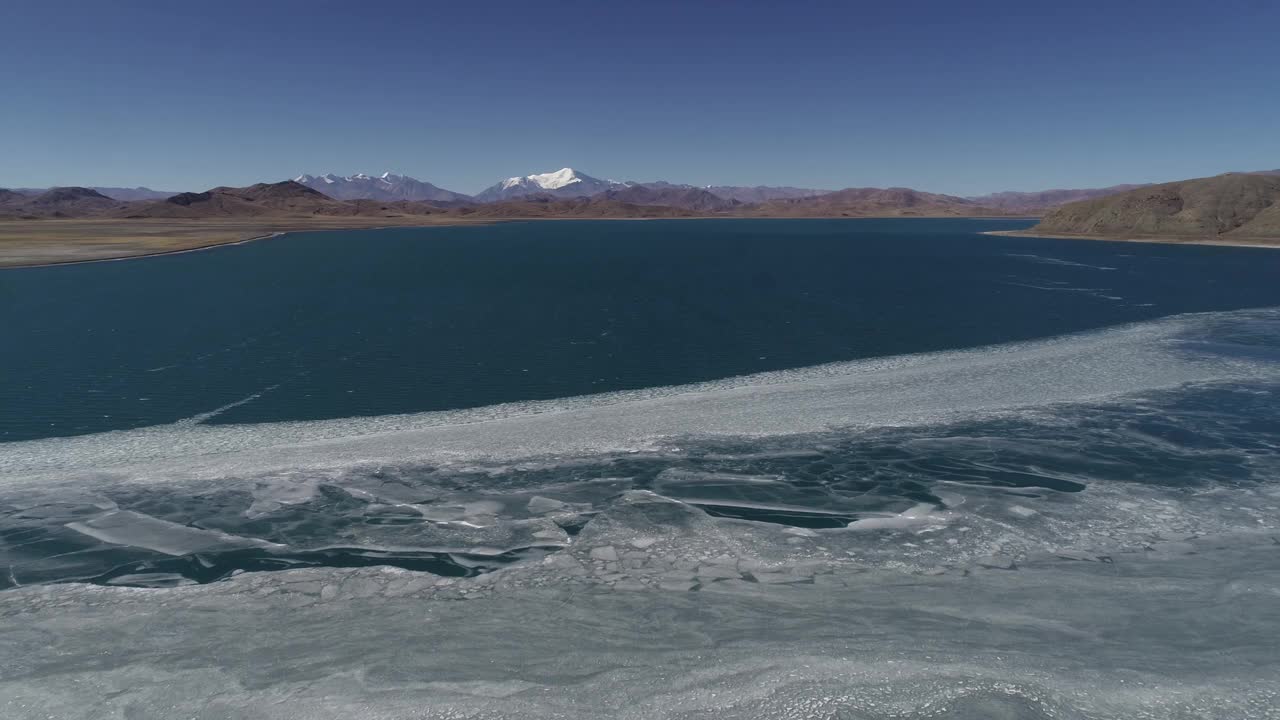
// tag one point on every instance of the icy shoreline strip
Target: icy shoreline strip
(893, 391)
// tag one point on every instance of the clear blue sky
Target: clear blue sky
(958, 97)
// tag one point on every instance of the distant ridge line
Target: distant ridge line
(566, 192)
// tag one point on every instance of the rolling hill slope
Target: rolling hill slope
(1235, 205)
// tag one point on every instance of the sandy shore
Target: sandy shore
(43, 243)
(33, 243)
(39, 243)
(1233, 242)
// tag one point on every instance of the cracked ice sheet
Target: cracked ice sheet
(1186, 637)
(124, 527)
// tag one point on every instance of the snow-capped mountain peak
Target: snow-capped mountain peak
(565, 182)
(547, 181)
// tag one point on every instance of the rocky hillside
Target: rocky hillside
(387, 187)
(545, 206)
(1039, 202)
(739, 193)
(287, 198)
(686, 198)
(762, 193)
(874, 202)
(1235, 205)
(58, 202)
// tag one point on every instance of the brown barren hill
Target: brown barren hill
(58, 202)
(545, 206)
(10, 200)
(874, 202)
(761, 193)
(677, 197)
(1221, 208)
(393, 208)
(1043, 200)
(286, 198)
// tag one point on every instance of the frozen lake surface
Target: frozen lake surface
(1074, 513)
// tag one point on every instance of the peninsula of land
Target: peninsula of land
(1231, 209)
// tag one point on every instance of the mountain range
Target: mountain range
(283, 199)
(569, 183)
(55, 202)
(677, 196)
(291, 199)
(1038, 201)
(387, 186)
(572, 183)
(563, 183)
(294, 199)
(1243, 205)
(874, 202)
(122, 194)
(748, 194)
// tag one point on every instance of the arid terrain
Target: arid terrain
(74, 224)
(77, 224)
(1229, 209)
(47, 242)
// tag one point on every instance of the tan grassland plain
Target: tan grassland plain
(58, 241)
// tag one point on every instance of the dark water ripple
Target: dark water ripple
(361, 323)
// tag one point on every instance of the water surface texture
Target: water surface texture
(327, 325)
(862, 469)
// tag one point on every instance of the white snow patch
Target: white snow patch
(547, 181)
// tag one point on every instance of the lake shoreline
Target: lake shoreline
(79, 252)
(138, 256)
(48, 243)
(19, 253)
(1161, 240)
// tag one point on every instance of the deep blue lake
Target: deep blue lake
(741, 468)
(353, 323)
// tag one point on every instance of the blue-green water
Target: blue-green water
(857, 468)
(329, 325)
